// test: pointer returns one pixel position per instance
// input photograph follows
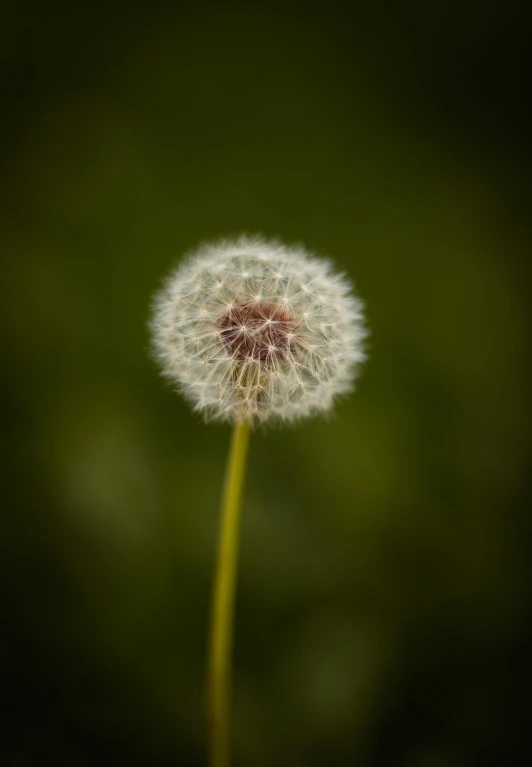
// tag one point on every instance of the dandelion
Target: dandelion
(252, 331)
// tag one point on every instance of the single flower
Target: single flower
(251, 330)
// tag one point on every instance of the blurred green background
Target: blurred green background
(384, 603)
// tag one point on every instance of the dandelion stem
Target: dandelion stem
(223, 599)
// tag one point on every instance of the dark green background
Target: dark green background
(384, 595)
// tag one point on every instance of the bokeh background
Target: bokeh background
(384, 604)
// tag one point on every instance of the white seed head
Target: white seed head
(253, 330)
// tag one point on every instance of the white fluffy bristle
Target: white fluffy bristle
(253, 330)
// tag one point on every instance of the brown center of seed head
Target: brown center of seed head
(258, 330)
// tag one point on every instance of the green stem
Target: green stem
(223, 599)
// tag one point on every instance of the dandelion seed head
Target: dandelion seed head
(249, 329)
